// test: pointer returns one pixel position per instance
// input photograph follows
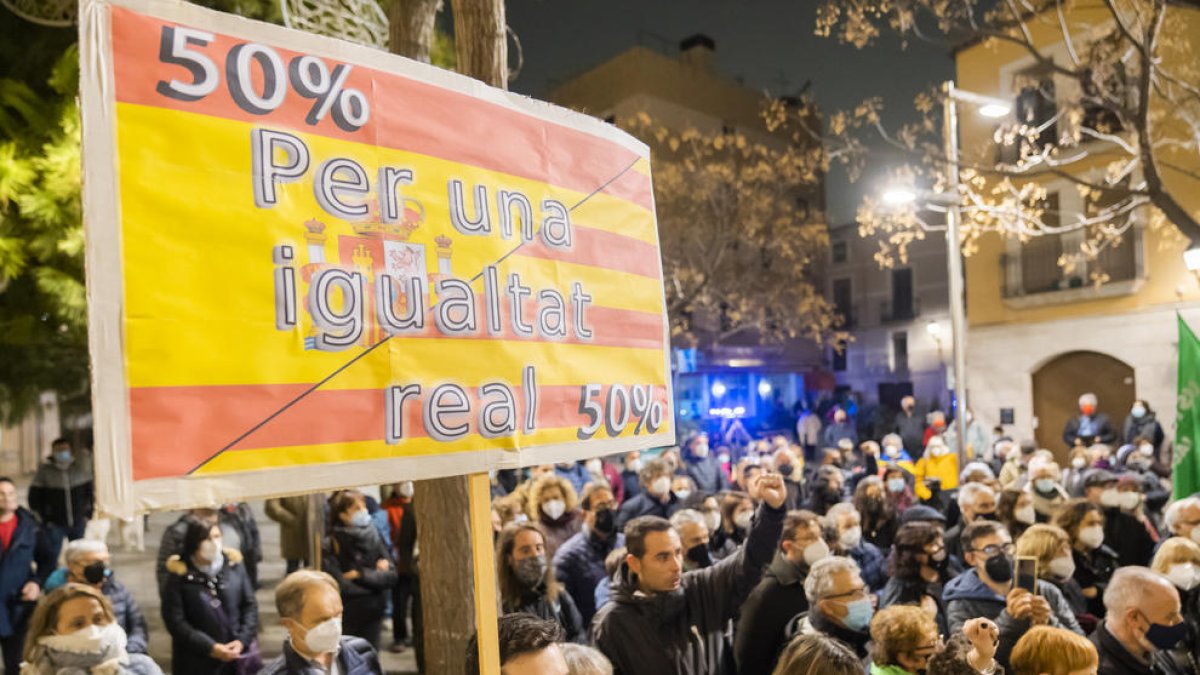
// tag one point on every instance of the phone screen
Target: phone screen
(1025, 573)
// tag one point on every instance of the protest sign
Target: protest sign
(312, 264)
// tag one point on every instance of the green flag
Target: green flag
(1186, 474)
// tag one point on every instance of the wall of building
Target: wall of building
(25, 444)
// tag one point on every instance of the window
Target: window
(840, 251)
(1040, 271)
(1037, 106)
(902, 294)
(1099, 99)
(843, 301)
(900, 352)
(838, 356)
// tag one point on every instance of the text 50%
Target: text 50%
(613, 412)
(309, 76)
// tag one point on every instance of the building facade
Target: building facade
(1041, 334)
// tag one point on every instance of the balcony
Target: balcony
(893, 312)
(1033, 276)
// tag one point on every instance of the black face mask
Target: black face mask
(95, 573)
(986, 516)
(786, 469)
(606, 522)
(999, 568)
(699, 555)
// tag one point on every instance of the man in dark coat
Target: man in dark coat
(63, 494)
(779, 598)
(703, 468)
(1141, 625)
(1088, 427)
(1123, 532)
(656, 498)
(25, 561)
(309, 606)
(579, 562)
(910, 426)
(661, 620)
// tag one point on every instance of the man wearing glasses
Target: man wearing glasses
(987, 590)
(840, 604)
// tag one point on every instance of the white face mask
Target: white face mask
(816, 551)
(325, 636)
(700, 451)
(108, 640)
(554, 508)
(1079, 462)
(851, 538)
(633, 465)
(743, 519)
(712, 520)
(520, 518)
(1025, 515)
(683, 494)
(595, 466)
(660, 486)
(209, 549)
(1092, 536)
(891, 451)
(406, 489)
(1130, 500)
(1184, 576)
(1062, 568)
(1110, 498)
(938, 450)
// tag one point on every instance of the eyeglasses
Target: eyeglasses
(854, 592)
(994, 549)
(936, 646)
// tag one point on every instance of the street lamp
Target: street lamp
(987, 107)
(718, 389)
(764, 388)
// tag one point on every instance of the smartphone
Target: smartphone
(1025, 573)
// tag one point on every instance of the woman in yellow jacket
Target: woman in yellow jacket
(937, 462)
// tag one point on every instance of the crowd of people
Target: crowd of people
(906, 555)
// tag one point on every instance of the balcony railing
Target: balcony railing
(1035, 269)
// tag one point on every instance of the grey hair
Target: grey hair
(81, 547)
(820, 577)
(584, 660)
(975, 467)
(892, 439)
(685, 516)
(1176, 509)
(971, 492)
(1089, 398)
(840, 509)
(937, 415)
(1128, 586)
(290, 593)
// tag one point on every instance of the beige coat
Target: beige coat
(292, 515)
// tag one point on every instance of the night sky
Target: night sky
(769, 43)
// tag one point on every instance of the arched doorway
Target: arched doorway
(1060, 381)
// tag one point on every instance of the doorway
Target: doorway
(1059, 383)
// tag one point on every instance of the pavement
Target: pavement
(136, 570)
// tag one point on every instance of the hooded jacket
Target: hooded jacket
(773, 605)
(967, 597)
(683, 632)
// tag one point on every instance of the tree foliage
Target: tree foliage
(739, 243)
(1123, 124)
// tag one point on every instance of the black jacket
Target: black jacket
(63, 496)
(645, 505)
(355, 656)
(347, 549)
(1093, 570)
(773, 605)
(579, 566)
(683, 632)
(562, 611)
(193, 622)
(1146, 427)
(707, 474)
(911, 429)
(1116, 660)
(1127, 537)
(27, 558)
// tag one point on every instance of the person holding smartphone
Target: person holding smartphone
(988, 589)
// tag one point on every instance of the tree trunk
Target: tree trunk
(443, 519)
(480, 32)
(410, 30)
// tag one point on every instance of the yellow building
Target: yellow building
(1040, 336)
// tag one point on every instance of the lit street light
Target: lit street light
(899, 196)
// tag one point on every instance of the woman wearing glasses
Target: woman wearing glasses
(905, 641)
